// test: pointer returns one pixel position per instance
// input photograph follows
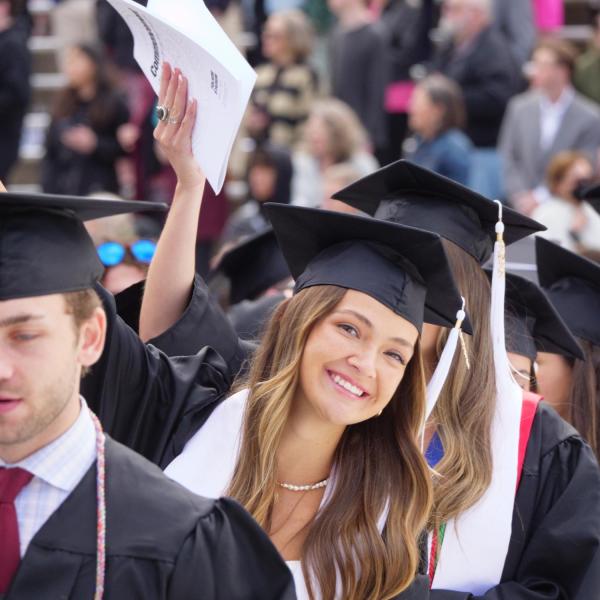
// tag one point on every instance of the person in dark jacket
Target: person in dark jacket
(476, 56)
(14, 84)
(81, 144)
(358, 72)
(405, 27)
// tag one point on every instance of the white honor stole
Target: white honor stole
(474, 547)
(208, 461)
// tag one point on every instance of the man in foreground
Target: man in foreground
(82, 516)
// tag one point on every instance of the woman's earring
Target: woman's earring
(379, 413)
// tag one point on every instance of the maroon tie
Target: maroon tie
(12, 481)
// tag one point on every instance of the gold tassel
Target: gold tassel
(464, 349)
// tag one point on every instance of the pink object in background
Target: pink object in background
(398, 95)
(549, 15)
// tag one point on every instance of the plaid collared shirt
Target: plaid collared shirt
(57, 469)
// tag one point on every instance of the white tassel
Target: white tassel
(436, 383)
(502, 366)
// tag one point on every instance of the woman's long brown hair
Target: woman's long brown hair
(584, 397)
(465, 408)
(378, 466)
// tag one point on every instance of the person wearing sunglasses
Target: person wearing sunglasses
(125, 263)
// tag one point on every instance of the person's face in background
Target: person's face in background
(554, 376)
(275, 46)
(545, 73)
(424, 117)
(120, 277)
(79, 69)
(460, 20)
(331, 185)
(316, 134)
(262, 180)
(580, 171)
(522, 370)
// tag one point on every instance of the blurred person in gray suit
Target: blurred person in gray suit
(547, 119)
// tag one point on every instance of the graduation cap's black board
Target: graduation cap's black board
(44, 246)
(405, 193)
(572, 283)
(532, 323)
(402, 267)
(253, 266)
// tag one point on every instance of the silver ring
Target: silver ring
(162, 112)
(173, 121)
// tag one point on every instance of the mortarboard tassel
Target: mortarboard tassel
(502, 366)
(436, 383)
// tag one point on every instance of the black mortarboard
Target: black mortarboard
(253, 266)
(405, 193)
(591, 194)
(44, 246)
(572, 283)
(532, 324)
(404, 268)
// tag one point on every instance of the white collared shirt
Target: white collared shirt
(551, 116)
(57, 469)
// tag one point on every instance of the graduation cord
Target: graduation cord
(437, 539)
(100, 508)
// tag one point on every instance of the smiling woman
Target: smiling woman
(348, 399)
(320, 441)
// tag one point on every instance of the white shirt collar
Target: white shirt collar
(561, 104)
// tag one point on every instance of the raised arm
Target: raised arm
(173, 266)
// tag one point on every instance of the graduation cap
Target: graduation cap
(44, 246)
(402, 267)
(591, 194)
(572, 283)
(253, 266)
(405, 193)
(532, 324)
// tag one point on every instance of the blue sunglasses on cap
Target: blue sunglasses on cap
(114, 253)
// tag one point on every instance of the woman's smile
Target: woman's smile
(347, 386)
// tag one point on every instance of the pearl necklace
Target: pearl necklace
(303, 488)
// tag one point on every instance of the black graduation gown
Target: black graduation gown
(146, 400)
(203, 323)
(163, 542)
(554, 552)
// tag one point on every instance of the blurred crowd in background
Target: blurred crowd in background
(500, 95)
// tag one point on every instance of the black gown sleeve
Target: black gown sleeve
(146, 400)
(203, 323)
(554, 552)
(229, 557)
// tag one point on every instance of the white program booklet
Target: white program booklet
(185, 34)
